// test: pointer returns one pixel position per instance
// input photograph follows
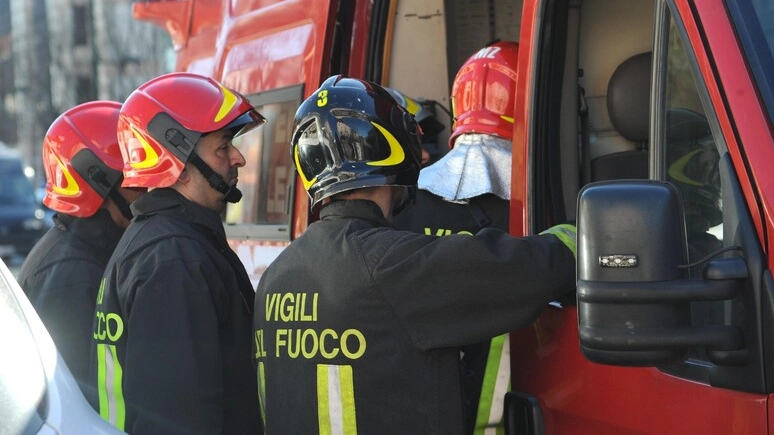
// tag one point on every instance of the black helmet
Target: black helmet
(429, 125)
(696, 174)
(351, 133)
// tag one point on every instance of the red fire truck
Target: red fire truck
(647, 122)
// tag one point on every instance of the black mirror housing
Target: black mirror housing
(631, 234)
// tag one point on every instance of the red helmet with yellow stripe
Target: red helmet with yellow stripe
(161, 122)
(82, 159)
(484, 90)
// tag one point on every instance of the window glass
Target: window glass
(15, 187)
(268, 173)
(754, 23)
(691, 164)
(81, 17)
(691, 157)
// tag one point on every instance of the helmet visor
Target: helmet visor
(246, 123)
(363, 140)
(312, 156)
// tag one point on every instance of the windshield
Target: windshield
(754, 21)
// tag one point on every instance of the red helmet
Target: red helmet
(82, 159)
(483, 92)
(163, 119)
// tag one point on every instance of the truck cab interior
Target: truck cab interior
(592, 95)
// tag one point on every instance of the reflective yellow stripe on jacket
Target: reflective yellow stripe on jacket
(497, 382)
(262, 389)
(336, 400)
(109, 385)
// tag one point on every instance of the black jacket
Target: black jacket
(432, 215)
(172, 332)
(61, 277)
(359, 323)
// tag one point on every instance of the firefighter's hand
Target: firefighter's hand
(567, 233)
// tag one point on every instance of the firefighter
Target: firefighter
(428, 123)
(358, 325)
(469, 189)
(172, 326)
(61, 274)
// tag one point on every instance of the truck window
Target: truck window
(268, 175)
(689, 158)
(690, 155)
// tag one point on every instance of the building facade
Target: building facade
(55, 54)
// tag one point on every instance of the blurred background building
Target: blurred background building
(55, 54)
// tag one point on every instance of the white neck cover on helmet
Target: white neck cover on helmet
(478, 164)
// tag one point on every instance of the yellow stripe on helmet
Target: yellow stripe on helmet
(677, 169)
(151, 157)
(396, 151)
(71, 188)
(229, 101)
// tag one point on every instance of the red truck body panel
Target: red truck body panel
(580, 397)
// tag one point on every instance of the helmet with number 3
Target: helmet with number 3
(162, 120)
(483, 93)
(350, 134)
(82, 159)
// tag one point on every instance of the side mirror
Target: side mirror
(634, 294)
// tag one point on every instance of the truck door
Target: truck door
(673, 347)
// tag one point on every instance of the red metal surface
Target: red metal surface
(175, 17)
(578, 397)
(524, 78)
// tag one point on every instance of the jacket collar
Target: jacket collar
(97, 230)
(354, 209)
(169, 202)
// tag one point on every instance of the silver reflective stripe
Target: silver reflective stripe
(335, 400)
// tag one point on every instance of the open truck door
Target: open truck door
(665, 173)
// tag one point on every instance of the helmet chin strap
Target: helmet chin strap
(230, 193)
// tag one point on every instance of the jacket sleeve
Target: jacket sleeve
(458, 289)
(63, 296)
(173, 348)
